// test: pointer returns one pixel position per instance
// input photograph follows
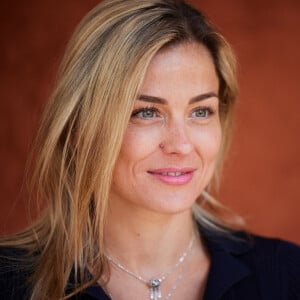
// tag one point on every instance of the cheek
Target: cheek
(138, 143)
(209, 142)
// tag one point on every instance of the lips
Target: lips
(173, 176)
(172, 173)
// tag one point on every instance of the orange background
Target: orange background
(261, 180)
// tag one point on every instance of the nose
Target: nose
(176, 140)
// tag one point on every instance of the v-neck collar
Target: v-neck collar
(226, 267)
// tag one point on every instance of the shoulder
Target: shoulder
(276, 250)
(264, 248)
(14, 273)
(274, 247)
(282, 258)
(270, 266)
(276, 265)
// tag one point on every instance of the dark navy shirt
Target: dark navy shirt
(254, 268)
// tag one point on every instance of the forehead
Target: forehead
(188, 50)
(181, 68)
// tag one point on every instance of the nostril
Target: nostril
(176, 147)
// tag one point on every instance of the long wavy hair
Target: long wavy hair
(83, 126)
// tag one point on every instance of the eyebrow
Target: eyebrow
(158, 100)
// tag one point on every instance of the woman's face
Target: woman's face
(172, 141)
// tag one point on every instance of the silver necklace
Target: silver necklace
(154, 284)
(178, 279)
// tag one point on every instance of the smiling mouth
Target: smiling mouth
(174, 174)
(172, 171)
(173, 177)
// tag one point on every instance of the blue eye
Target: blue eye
(145, 113)
(202, 112)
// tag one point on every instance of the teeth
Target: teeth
(172, 173)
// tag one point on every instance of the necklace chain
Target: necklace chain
(178, 279)
(155, 282)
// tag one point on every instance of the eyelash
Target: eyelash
(151, 109)
(208, 110)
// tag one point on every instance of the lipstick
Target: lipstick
(173, 176)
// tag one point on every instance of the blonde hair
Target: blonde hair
(83, 127)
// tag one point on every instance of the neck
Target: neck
(147, 242)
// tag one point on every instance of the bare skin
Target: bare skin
(153, 251)
(167, 159)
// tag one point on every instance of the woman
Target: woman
(128, 155)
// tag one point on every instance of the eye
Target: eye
(202, 112)
(145, 113)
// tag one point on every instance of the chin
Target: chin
(169, 206)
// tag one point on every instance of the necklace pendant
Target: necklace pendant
(155, 291)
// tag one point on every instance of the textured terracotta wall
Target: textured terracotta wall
(261, 179)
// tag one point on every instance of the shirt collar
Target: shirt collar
(227, 268)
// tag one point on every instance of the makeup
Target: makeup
(173, 176)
